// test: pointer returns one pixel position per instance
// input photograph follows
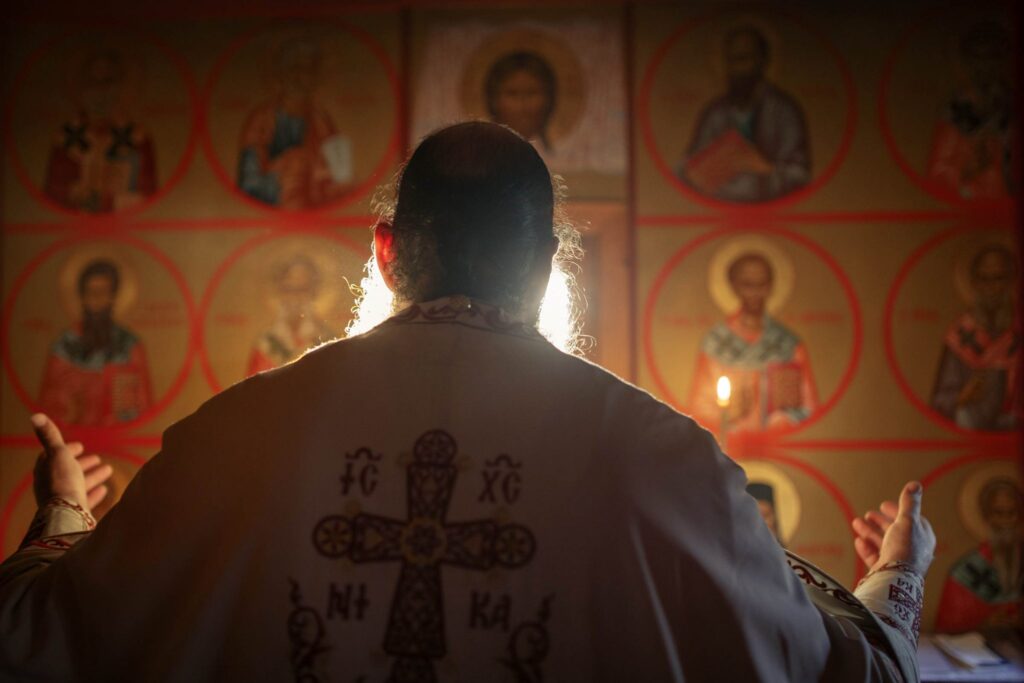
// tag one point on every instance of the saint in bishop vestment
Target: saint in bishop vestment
(767, 364)
(976, 385)
(102, 158)
(96, 372)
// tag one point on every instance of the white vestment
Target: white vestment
(446, 497)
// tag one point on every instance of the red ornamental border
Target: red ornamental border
(357, 192)
(830, 487)
(644, 119)
(229, 262)
(21, 172)
(890, 347)
(892, 145)
(168, 265)
(25, 483)
(683, 252)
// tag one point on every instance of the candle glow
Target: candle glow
(724, 390)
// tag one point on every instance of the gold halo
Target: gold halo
(716, 39)
(967, 500)
(278, 253)
(962, 265)
(787, 500)
(718, 272)
(571, 84)
(132, 60)
(75, 263)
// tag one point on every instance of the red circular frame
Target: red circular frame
(359, 190)
(644, 117)
(21, 172)
(25, 483)
(228, 263)
(830, 487)
(890, 347)
(683, 252)
(153, 252)
(959, 461)
(933, 189)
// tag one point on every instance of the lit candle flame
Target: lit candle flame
(724, 390)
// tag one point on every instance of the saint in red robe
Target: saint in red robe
(769, 371)
(98, 387)
(975, 594)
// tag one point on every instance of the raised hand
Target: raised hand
(896, 533)
(62, 469)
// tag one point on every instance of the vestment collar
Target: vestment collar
(463, 310)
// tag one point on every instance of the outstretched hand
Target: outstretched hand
(896, 533)
(62, 469)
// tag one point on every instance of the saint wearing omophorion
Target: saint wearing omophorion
(297, 326)
(102, 159)
(767, 363)
(976, 383)
(750, 144)
(970, 153)
(291, 155)
(521, 92)
(985, 586)
(96, 372)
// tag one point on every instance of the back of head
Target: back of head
(474, 216)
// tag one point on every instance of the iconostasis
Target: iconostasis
(798, 228)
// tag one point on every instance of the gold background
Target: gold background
(870, 217)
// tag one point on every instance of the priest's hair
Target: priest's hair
(472, 211)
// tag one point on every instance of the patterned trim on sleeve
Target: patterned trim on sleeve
(58, 517)
(87, 518)
(896, 566)
(55, 543)
(895, 593)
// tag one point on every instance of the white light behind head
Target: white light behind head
(375, 303)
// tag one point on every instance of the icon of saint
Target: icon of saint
(750, 143)
(102, 159)
(297, 325)
(971, 148)
(764, 494)
(96, 373)
(984, 587)
(291, 155)
(976, 382)
(767, 363)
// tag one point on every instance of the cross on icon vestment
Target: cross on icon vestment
(423, 543)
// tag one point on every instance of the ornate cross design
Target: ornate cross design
(986, 580)
(423, 543)
(123, 136)
(728, 346)
(74, 136)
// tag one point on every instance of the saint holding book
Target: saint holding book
(750, 143)
(767, 364)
